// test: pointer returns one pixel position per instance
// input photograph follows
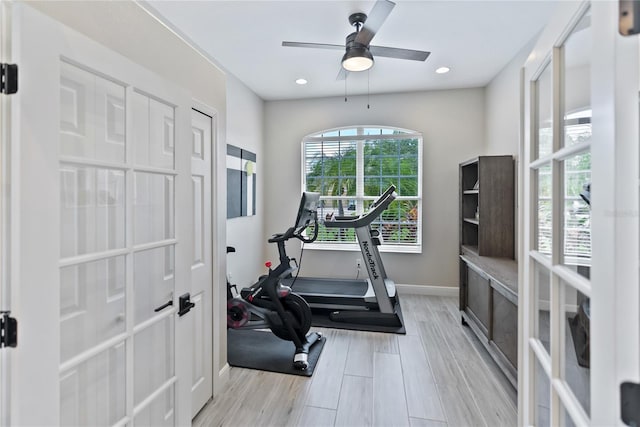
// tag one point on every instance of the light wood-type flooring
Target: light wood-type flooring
(436, 375)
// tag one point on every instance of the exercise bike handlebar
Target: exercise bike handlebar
(379, 206)
(297, 233)
(282, 237)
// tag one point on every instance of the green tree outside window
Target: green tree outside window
(351, 167)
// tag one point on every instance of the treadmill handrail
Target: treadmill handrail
(367, 218)
(383, 196)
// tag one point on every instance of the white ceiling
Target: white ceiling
(476, 39)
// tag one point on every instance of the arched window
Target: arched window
(350, 167)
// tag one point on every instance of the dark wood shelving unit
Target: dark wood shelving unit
(487, 187)
(488, 272)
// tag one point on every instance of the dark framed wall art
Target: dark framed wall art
(241, 182)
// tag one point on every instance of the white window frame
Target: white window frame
(361, 137)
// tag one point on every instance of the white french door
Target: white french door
(4, 230)
(579, 262)
(102, 241)
(201, 267)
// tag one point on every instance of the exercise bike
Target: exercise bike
(269, 304)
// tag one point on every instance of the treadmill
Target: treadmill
(366, 304)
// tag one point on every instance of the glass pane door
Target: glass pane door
(93, 265)
(559, 257)
(4, 236)
(117, 253)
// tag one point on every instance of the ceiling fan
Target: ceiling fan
(359, 53)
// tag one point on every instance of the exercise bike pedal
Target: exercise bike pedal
(301, 366)
(301, 357)
(300, 361)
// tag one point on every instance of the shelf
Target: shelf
(502, 271)
(467, 248)
(471, 191)
(471, 221)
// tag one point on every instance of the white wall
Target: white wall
(577, 88)
(502, 107)
(452, 123)
(245, 123)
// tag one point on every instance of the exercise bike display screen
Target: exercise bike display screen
(307, 212)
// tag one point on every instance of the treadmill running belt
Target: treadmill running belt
(330, 287)
(321, 318)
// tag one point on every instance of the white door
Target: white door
(103, 241)
(578, 261)
(5, 304)
(201, 268)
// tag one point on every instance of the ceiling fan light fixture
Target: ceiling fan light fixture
(357, 59)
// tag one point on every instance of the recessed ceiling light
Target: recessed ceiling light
(301, 81)
(443, 70)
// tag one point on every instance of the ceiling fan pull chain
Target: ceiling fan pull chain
(368, 91)
(345, 87)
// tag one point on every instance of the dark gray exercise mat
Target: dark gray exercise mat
(262, 350)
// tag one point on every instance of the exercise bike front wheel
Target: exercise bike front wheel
(295, 305)
(237, 313)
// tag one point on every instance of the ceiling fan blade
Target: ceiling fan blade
(376, 18)
(393, 52)
(342, 74)
(314, 45)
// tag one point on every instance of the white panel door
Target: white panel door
(5, 303)
(104, 250)
(579, 260)
(201, 268)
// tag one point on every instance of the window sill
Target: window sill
(356, 248)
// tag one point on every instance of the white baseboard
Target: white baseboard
(441, 291)
(222, 380)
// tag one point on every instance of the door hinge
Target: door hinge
(629, 17)
(630, 403)
(8, 330)
(8, 78)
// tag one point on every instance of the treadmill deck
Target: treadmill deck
(337, 287)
